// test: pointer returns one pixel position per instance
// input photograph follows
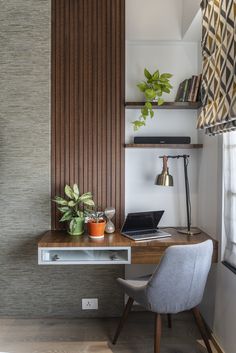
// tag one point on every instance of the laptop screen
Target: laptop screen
(142, 221)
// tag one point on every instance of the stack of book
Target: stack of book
(188, 90)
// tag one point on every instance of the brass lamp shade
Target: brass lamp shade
(164, 179)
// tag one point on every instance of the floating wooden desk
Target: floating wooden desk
(57, 247)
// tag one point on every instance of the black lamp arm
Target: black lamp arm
(188, 205)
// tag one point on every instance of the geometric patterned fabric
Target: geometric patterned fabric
(218, 88)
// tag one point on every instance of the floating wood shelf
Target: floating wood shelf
(166, 105)
(170, 146)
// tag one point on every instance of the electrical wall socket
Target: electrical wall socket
(89, 304)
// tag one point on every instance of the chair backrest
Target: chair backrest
(179, 281)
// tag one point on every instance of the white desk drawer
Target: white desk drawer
(84, 255)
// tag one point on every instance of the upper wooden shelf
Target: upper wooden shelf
(170, 146)
(166, 105)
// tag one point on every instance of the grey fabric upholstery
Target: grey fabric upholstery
(178, 282)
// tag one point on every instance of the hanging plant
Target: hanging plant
(153, 88)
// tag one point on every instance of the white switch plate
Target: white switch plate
(89, 304)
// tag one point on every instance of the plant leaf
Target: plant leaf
(71, 203)
(89, 202)
(150, 94)
(85, 196)
(148, 105)
(166, 90)
(156, 73)
(155, 76)
(147, 74)
(66, 217)
(160, 101)
(69, 192)
(63, 209)
(166, 75)
(60, 201)
(142, 86)
(76, 191)
(156, 86)
(137, 124)
(144, 112)
(151, 113)
(80, 214)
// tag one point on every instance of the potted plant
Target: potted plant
(96, 224)
(153, 88)
(73, 208)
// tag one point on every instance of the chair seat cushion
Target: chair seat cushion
(135, 289)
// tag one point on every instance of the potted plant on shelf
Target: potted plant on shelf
(153, 88)
(96, 224)
(73, 208)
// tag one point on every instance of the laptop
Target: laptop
(143, 226)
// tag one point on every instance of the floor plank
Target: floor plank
(94, 335)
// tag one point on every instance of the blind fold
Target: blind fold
(218, 89)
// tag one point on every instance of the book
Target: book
(186, 90)
(180, 91)
(192, 88)
(197, 88)
(183, 89)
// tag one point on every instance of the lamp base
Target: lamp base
(192, 231)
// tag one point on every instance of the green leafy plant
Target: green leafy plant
(153, 88)
(74, 206)
(95, 216)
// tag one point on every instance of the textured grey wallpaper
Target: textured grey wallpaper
(25, 288)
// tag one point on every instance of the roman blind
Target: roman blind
(218, 89)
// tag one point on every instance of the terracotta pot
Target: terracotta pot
(96, 230)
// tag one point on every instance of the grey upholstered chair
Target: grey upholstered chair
(176, 285)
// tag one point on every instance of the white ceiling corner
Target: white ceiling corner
(161, 20)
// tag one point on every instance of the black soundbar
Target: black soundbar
(175, 140)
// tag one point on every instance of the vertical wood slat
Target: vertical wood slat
(88, 48)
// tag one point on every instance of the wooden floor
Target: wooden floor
(72, 336)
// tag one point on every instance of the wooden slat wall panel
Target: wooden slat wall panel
(88, 59)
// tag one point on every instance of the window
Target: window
(229, 178)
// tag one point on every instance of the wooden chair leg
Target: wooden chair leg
(123, 319)
(202, 328)
(169, 320)
(157, 342)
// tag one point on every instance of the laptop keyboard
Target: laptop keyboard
(143, 232)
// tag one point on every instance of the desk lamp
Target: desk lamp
(165, 179)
